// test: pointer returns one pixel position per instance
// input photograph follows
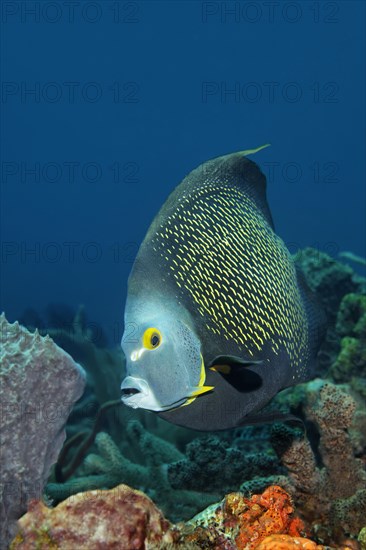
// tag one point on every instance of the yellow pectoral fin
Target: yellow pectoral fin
(253, 151)
(199, 390)
(224, 369)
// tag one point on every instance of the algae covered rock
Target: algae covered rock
(39, 384)
(121, 518)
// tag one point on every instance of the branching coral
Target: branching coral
(104, 470)
(334, 493)
(109, 467)
(211, 464)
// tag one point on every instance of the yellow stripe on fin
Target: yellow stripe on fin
(203, 373)
(200, 389)
(224, 369)
(253, 151)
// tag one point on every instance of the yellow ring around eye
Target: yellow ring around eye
(151, 338)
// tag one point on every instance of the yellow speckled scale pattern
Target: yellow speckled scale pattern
(218, 246)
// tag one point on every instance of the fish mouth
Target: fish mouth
(137, 394)
(133, 391)
(128, 392)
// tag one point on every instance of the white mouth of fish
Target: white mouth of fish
(134, 391)
(137, 394)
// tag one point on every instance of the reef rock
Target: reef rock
(121, 518)
(126, 519)
(39, 384)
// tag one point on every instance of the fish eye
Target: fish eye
(151, 338)
(155, 340)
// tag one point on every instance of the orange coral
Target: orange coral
(287, 542)
(262, 515)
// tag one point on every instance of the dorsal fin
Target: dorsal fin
(237, 170)
(253, 151)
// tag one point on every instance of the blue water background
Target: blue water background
(160, 87)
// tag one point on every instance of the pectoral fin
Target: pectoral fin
(240, 373)
(199, 390)
(222, 363)
(223, 369)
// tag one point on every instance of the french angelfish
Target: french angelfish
(218, 319)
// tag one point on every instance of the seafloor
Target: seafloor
(127, 480)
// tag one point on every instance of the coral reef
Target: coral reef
(110, 467)
(362, 538)
(104, 470)
(126, 519)
(245, 523)
(320, 469)
(350, 365)
(330, 280)
(39, 384)
(121, 518)
(211, 464)
(244, 457)
(334, 493)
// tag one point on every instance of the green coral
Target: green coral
(351, 317)
(329, 279)
(109, 467)
(350, 364)
(351, 360)
(104, 470)
(211, 464)
(362, 538)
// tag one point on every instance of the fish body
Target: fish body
(218, 319)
